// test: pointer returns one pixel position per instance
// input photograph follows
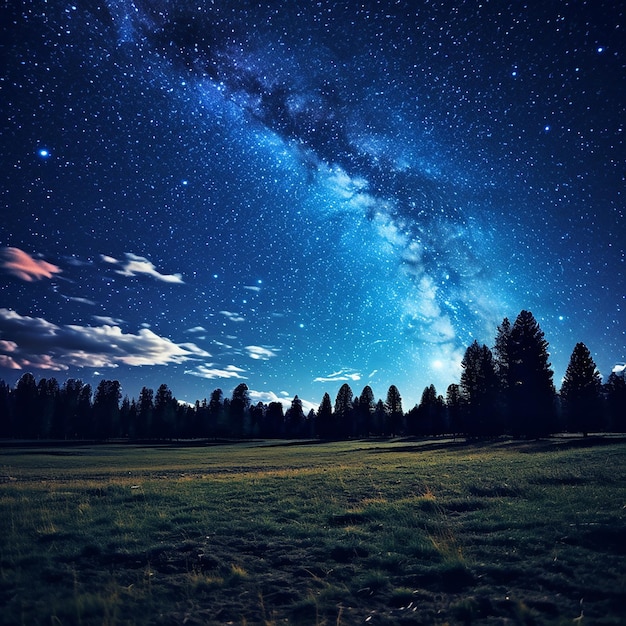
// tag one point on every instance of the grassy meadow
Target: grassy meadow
(362, 532)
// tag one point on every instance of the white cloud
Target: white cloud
(196, 329)
(341, 375)
(38, 343)
(80, 300)
(233, 317)
(209, 371)
(252, 288)
(284, 398)
(106, 319)
(134, 265)
(260, 353)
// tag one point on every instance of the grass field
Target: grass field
(364, 532)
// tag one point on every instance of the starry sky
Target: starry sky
(295, 195)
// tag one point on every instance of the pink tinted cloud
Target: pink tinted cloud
(24, 266)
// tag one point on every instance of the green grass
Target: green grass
(380, 532)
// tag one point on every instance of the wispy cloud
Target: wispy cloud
(80, 300)
(341, 375)
(211, 372)
(106, 319)
(233, 317)
(260, 353)
(134, 265)
(38, 343)
(24, 266)
(255, 288)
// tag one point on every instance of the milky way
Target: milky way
(304, 194)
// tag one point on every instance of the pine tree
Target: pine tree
(145, 412)
(581, 391)
(294, 418)
(380, 419)
(502, 352)
(532, 392)
(238, 411)
(165, 407)
(367, 406)
(393, 406)
(615, 390)
(454, 405)
(343, 411)
(479, 386)
(324, 420)
(106, 411)
(26, 407)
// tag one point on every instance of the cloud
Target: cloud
(80, 300)
(21, 264)
(196, 329)
(260, 353)
(38, 343)
(233, 317)
(211, 372)
(252, 288)
(134, 265)
(284, 398)
(341, 375)
(106, 319)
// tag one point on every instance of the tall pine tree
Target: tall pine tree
(479, 386)
(532, 392)
(581, 392)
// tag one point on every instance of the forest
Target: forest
(504, 390)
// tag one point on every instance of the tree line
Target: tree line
(504, 390)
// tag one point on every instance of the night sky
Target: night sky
(300, 194)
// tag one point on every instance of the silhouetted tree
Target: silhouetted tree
(48, 407)
(85, 405)
(479, 386)
(274, 420)
(105, 409)
(502, 352)
(502, 364)
(580, 392)
(27, 407)
(532, 390)
(6, 411)
(343, 411)
(218, 414)
(367, 406)
(145, 413)
(615, 390)
(380, 419)
(125, 417)
(294, 418)
(165, 409)
(310, 424)
(257, 418)
(325, 426)
(70, 422)
(238, 411)
(393, 407)
(428, 417)
(454, 407)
